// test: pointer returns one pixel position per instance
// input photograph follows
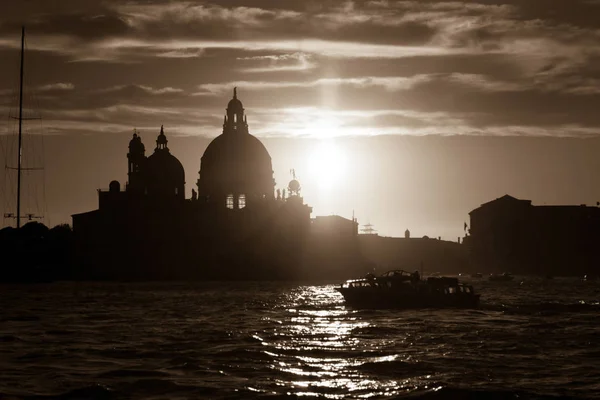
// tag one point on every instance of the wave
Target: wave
(128, 373)
(10, 338)
(376, 331)
(544, 308)
(97, 392)
(397, 368)
(442, 393)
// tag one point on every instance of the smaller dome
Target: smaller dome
(163, 167)
(294, 185)
(135, 144)
(114, 186)
(164, 173)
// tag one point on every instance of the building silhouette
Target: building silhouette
(235, 225)
(509, 234)
(334, 225)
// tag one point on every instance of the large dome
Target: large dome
(235, 163)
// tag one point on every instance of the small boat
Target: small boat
(504, 277)
(477, 275)
(401, 289)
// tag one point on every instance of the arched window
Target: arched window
(242, 201)
(229, 201)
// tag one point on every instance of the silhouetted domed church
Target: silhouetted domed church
(233, 226)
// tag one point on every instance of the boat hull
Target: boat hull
(381, 298)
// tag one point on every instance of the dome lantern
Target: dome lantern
(235, 120)
(161, 140)
(294, 185)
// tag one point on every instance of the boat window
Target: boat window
(451, 290)
(229, 201)
(242, 201)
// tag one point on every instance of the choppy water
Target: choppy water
(249, 340)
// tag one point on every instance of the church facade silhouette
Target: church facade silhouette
(235, 225)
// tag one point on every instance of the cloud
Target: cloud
(278, 63)
(394, 29)
(142, 88)
(464, 67)
(389, 83)
(56, 87)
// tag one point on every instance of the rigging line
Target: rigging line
(20, 125)
(44, 201)
(43, 209)
(37, 152)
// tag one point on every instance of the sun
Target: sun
(327, 163)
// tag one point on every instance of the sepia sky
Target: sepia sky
(407, 113)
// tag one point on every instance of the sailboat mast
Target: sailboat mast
(20, 128)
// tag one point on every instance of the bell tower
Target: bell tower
(135, 160)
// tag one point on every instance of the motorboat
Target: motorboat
(402, 289)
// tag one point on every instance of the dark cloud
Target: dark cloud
(479, 65)
(81, 25)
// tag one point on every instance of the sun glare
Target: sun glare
(327, 163)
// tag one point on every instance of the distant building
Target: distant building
(334, 225)
(411, 253)
(508, 234)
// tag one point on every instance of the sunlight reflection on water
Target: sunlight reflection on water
(319, 328)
